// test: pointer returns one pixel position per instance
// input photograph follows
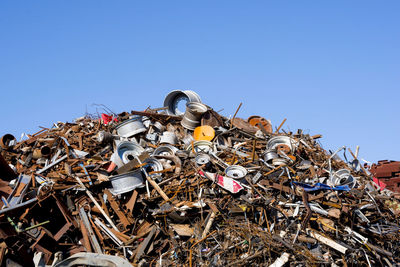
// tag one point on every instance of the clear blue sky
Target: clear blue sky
(329, 67)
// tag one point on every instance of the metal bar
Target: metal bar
(52, 164)
(97, 204)
(105, 229)
(93, 239)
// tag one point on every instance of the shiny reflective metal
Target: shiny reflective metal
(192, 117)
(270, 155)
(153, 165)
(128, 150)
(158, 126)
(146, 121)
(174, 98)
(279, 140)
(187, 140)
(236, 171)
(126, 182)
(279, 162)
(168, 138)
(153, 137)
(201, 147)
(256, 177)
(304, 165)
(165, 150)
(202, 159)
(343, 177)
(130, 127)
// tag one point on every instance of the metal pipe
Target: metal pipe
(44, 151)
(6, 141)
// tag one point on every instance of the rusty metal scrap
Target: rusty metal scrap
(140, 188)
(387, 173)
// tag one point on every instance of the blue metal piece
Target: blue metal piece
(320, 186)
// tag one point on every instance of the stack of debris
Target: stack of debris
(164, 187)
(387, 174)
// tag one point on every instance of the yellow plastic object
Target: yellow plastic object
(205, 132)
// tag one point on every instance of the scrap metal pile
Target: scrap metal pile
(386, 174)
(164, 187)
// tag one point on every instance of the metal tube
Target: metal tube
(6, 140)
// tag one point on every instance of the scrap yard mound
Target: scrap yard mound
(171, 187)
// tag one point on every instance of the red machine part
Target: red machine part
(387, 172)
